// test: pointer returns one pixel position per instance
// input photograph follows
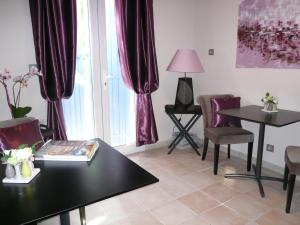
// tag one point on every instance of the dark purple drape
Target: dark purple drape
(54, 25)
(135, 34)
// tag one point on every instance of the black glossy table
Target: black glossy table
(254, 113)
(64, 186)
(194, 110)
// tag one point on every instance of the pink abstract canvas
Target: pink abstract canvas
(269, 34)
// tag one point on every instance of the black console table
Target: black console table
(194, 110)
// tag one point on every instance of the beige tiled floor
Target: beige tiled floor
(189, 194)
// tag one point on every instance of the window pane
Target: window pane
(78, 110)
(121, 99)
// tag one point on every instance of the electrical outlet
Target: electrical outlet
(270, 148)
(211, 51)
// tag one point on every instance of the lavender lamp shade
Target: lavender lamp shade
(187, 61)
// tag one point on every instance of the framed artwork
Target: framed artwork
(268, 34)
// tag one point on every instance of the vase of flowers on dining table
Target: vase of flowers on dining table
(19, 162)
(270, 103)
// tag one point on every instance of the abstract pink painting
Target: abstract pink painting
(269, 34)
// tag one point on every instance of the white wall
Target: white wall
(16, 52)
(175, 27)
(217, 22)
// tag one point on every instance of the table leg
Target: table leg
(183, 132)
(260, 150)
(257, 168)
(82, 215)
(65, 218)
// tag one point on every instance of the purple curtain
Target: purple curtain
(135, 34)
(54, 25)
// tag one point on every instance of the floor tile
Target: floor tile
(223, 215)
(144, 218)
(220, 192)
(248, 206)
(275, 218)
(172, 213)
(150, 197)
(177, 169)
(273, 198)
(176, 187)
(197, 220)
(105, 212)
(241, 185)
(199, 179)
(198, 201)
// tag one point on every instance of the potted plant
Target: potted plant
(270, 103)
(19, 82)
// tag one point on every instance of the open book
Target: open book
(67, 150)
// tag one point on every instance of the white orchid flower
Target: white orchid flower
(23, 154)
(18, 155)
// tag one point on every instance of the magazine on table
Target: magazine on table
(67, 150)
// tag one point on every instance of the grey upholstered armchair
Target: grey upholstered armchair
(292, 168)
(222, 135)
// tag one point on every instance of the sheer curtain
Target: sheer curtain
(78, 110)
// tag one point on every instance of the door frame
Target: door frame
(99, 68)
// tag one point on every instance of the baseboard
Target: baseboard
(132, 148)
(235, 153)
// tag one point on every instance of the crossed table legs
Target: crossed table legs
(184, 132)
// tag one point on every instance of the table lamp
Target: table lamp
(186, 61)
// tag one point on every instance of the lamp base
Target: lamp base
(184, 95)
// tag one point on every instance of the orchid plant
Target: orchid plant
(19, 82)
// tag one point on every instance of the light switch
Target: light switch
(211, 51)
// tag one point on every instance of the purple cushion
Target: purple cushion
(218, 104)
(19, 131)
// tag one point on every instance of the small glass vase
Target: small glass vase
(271, 107)
(10, 171)
(18, 171)
(26, 169)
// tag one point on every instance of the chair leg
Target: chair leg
(290, 192)
(228, 152)
(285, 177)
(216, 158)
(249, 157)
(205, 148)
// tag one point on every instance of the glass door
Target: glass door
(101, 105)
(121, 98)
(79, 109)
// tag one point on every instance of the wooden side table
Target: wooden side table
(194, 110)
